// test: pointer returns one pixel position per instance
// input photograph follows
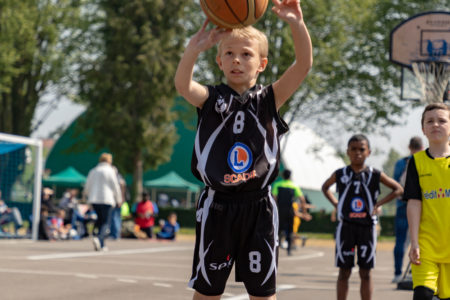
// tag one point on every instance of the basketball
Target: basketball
(234, 13)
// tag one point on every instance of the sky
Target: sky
(66, 111)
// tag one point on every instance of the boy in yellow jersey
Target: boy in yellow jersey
(427, 190)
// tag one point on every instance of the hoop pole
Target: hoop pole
(37, 192)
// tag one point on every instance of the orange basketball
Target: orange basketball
(234, 13)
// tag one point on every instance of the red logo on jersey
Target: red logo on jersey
(236, 178)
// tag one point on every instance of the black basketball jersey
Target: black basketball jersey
(237, 146)
(358, 193)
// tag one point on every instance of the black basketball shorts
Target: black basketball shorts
(354, 239)
(240, 229)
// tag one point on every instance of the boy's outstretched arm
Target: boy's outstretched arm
(288, 83)
(326, 189)
(396, 191)
(414, 212)
(194, 92)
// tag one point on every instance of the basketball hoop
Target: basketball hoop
(433, 77)
(421, 46)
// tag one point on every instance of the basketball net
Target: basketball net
(433, 78)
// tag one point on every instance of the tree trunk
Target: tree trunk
(137, 178)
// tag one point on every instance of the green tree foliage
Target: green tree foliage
(34, 42)
(389, 164)
(388, 169)
(352, 85)
(129, 86)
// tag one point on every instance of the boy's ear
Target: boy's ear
(219, 62)
(263, 64)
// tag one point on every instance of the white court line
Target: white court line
(166, 285)
(114, 252)
(281, 287)
(90, 276)
(126, 280)
(303, 257)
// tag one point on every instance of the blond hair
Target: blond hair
(433, 106)
(105, 157)
(249, 33)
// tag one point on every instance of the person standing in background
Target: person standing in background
(401, 221)
(286, 193)
(103, 192)
(116, 218)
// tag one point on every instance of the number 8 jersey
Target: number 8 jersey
(237, 146)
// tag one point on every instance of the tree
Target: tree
(129, 86)
(388, 169)
(388, 166)
(35, 37)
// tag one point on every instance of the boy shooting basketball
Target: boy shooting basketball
(237, 152)
(358, 187)
(427, 189)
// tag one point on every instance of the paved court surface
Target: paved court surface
(134, 269)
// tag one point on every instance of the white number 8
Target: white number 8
(238, 126)
(255, 261)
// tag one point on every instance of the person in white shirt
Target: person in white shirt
(103, 192)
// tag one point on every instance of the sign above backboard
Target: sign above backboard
(423, 37)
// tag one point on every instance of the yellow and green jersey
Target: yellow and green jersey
(428, 179)
(286, 184)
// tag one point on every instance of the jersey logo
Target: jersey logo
(240, 158)
(221, 105)
(345, 179)
(357, 205)
(436, 194)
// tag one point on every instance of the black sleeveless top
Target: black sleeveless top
(358, 193)
(237, 146)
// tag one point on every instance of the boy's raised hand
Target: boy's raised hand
(288, 10)
(204, 40)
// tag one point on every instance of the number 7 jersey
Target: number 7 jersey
(237, 146)
(358, 193)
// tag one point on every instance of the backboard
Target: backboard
(423, 38)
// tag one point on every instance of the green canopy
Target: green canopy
(172, 181)
(69, 177)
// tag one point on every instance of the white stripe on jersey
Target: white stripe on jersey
(202, 156)
(365, 184)
(270, 153)
(273, 265)
(201, 251)
(373, 246)
(344, 194)
(339, 244)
